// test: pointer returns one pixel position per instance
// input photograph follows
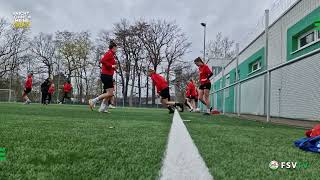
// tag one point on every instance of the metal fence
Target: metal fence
(289, 90)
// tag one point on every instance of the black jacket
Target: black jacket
(45, 86)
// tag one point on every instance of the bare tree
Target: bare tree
(221, 47)
(13, 45)
(156, 35)
(43, 49)
(175, 50)
(67, 47)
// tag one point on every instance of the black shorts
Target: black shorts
(27, 90)
(107, 81)
(165, 94)
(205, 86)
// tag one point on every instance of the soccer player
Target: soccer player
(67, 88)
(109, 66)
(205, 84)
(191, 95)
(50, 92)
(27, 89)
(163, 90)
(44, 91)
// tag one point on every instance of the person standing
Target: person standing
(44, 91)
(108, 68)
(27, 89)
(50, 92)
(205, 85)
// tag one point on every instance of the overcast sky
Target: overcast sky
(231, 17)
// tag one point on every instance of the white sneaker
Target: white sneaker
(92, 104)
(191, 110)
(103, 110)
(111, 106)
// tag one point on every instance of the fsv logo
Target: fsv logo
(288, 165)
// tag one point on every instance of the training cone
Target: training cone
(215, 111)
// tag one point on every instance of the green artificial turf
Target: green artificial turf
(71, 142)
(241, 149)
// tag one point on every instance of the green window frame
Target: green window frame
(303, 37)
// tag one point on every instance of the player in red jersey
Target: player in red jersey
(67, 91)
(109, 66)
(50, 92)
(191, 95)
(163, 91)
(205, 85)
(27, 89)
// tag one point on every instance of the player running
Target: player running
(67, 88)
(205, 84)
(27, 89)
(191, 95)
(163, 90)
(109, 66)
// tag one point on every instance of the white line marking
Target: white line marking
(182, 159)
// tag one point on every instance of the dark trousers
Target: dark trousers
(49, 98)
(44, 97)
(65, 96)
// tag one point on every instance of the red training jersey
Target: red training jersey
(159, 82)
(67, 87)
(51, 89)
(28, 83)
(204, 73)
(107, 61)
(191, 90)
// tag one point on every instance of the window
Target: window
(255, 66)
(306, 39)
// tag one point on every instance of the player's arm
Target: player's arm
(209, 73)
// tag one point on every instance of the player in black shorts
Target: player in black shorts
(109, 66)
(205, 84)
(163, 91)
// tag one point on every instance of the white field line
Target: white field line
(182, 159)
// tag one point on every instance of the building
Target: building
(290, 52)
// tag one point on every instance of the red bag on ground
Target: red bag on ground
(313, 132)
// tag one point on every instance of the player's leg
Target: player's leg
(25, 96)
(207, 100)
(201, 96)
(43, 98)
(49, 98)
(165, 100)
(193, 104)
(63, 97)
(111, 103)
(186, 102)
(167, 104)
(108, 86)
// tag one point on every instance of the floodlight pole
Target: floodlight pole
(268, 78)
(237, 98)
(204, 40)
